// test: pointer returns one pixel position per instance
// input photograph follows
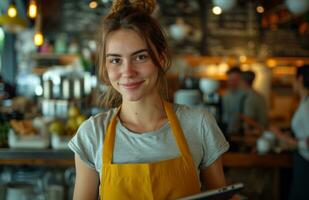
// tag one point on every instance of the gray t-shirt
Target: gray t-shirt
(205, 140)
(255, 107)
(232, 103)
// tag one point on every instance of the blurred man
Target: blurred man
(254, 113)
(232, 102)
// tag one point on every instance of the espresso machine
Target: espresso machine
(211, 97)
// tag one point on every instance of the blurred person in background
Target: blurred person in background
(254, 113)
(232, 102)
(300, 127)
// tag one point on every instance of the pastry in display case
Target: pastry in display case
(28, 133)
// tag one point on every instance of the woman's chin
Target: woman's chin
(131, 98)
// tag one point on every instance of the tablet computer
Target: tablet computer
(223, 193)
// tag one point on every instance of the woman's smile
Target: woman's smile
(131, 85)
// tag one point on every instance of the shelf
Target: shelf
(65, 158)
(45, 60)
(52, 56)
(44, 157)
(251, 160)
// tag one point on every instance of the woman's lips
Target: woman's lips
(131, 85)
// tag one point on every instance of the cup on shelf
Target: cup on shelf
(55, 192)
(263, 145)
(18, 190)
(268, 135)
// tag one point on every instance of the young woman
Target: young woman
(300, 126)
(143, 147)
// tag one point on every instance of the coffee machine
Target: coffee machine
(211, 97)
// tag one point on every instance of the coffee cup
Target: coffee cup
(268, 135)
(18, 190)
(263, 145)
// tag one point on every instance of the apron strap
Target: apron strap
(177, 130)
(108, 146)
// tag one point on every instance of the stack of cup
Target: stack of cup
(266, 142)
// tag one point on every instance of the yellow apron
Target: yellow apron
(167, 179)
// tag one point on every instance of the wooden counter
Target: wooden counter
(65, 158)
(235, 159)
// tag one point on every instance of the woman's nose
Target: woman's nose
(128, 69)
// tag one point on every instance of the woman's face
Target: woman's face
(129, 66)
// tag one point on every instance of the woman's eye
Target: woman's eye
(115, 60)
(141, 57)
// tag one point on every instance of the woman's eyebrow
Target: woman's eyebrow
(139, 51)
(113, 55)
(133, 54)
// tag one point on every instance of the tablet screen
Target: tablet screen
(223, 193)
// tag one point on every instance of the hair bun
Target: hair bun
(142, 5)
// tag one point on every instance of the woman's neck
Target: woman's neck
(144, 115)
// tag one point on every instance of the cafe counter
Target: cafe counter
(65, 158)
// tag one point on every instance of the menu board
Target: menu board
(234, 32)
(286, 42)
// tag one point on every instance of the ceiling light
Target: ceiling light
(216, 10)
(32, 9)
(259, 9)
(93, 4)
(12, 11)
(38, 39)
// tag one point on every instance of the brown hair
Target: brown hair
(304, 72)
(248, 77)
(127, 15)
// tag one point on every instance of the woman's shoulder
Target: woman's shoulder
(96, 124)
(192, 112)
(103, 116)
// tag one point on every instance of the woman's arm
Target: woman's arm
(213, 177)
(86, 182)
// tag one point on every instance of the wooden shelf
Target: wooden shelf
(65, 158)
(53, 56)
(44, 157)
(248, 160)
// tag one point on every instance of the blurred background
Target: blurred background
(48, 84)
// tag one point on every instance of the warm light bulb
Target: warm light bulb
(93, 4)
(12, 12)
(32, 9)
(217, 10)
(271, 62)
(38, 39)
(260, 9)
(242, 59)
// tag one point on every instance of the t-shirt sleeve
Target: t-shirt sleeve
(213, 141)
(85, 142)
